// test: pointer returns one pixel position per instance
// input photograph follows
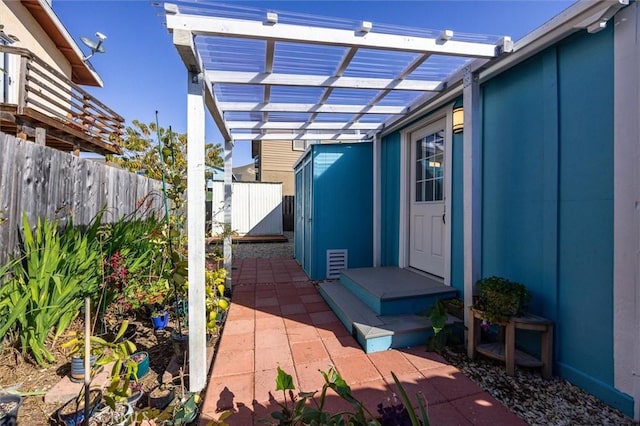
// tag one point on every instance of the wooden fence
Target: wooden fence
(288, 212)
(43, 182)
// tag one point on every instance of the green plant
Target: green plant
(134, 263)
(501, 298)
(46, 285)
(298, 411)
(216, 304)
(422, 404)
(119, 352)
(445, 332)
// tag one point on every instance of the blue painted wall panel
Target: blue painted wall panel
(548, 198)
(342, 204)
(457, 210)
(390, 198)
(513, 188)
(585, 294)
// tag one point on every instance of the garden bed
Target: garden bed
(29, 378)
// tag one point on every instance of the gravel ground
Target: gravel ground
(249, 251)
(537, 401)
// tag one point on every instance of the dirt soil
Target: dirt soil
(21, 373)
(27, 377)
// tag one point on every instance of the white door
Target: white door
(428, 221)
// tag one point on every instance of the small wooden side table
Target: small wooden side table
(507, 351)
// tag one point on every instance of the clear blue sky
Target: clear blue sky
(142, 72)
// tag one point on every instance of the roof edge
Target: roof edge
(584, 14)
(81, 72)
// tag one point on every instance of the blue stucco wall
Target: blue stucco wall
(548, 199)
(457, 218)
(342, 204)
(390, 198)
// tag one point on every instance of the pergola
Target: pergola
(283, 76)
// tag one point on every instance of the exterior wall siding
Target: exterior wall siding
(457, 236)
(285, 178)
(586, 216)
(334, 196)
(390, 198)
(548, 196)
(547, 200)
(276, 163)
(18, 21)
(342, 176)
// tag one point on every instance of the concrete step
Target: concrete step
(375, 332)
(395, 291)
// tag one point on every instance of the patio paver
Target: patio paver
(283, 322)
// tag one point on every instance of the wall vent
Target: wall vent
(336, 262)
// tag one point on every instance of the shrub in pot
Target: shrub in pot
(160, 319)
(500, 299)
(72, 412)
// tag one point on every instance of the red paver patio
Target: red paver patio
(284, 322)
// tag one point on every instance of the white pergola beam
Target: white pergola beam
(211, 101)
(344, 64)
(268, 67)
(305, 108)
(226, 27)
(183, 41)
(232, 77)
(227, 251)
(290, 125)
(297, 136)
(346, 60)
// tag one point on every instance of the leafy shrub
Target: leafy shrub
(501, 298)
(47, 283)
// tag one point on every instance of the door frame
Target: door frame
(445, 113)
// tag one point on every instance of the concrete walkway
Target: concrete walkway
(277, 318)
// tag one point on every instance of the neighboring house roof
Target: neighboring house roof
(246, 173)
(82, 71)
(218, 173)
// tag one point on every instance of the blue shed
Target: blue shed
(334, 208)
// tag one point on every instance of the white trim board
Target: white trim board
(626, 218)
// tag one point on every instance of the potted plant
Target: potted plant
(500, 299)
(117, 416)
(136, 393)
(124, 367)
(9, 405)
(160, 319)
(161, 396)
(76, 347)
(72, 412)
(142, 360)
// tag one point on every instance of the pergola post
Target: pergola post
(195, 232)
(472, 188)
(228, 190)
(377, 152)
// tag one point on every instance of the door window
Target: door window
(429, 167)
